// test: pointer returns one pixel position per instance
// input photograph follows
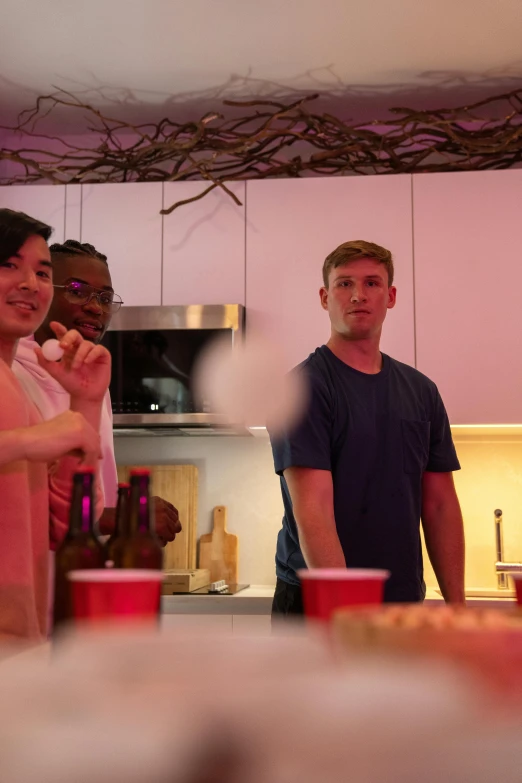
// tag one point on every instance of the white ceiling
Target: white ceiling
(168, 54)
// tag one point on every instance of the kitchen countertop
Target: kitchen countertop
(491, 602)
(257, 599)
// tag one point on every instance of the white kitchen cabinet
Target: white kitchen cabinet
(468, 283)
(204, 246)
(43, 202)
(239, 624)
(124, 222)
(73, 212)
(292, 225)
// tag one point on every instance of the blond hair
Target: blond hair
(354, 251)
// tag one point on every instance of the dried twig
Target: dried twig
(258, 145)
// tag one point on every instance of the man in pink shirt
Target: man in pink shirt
(84, 299)
(38, 458)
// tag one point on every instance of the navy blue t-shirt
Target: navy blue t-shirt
(377, 434)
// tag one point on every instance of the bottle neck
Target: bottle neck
(122, 511)
(82, 504)
(139, 516)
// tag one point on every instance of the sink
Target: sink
(485, 592)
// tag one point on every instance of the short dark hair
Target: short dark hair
(354, 251)
(73, 248)
(15, 230)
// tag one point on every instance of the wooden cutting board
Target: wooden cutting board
(219, 550)
(178, 484)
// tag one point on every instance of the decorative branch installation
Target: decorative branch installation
(272, 139)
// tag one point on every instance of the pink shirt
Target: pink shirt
(51, 399)
(34, 511)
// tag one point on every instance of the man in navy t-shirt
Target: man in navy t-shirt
(372, 456)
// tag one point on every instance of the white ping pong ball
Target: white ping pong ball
(52, 350)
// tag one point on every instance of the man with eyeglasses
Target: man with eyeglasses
(84, 299)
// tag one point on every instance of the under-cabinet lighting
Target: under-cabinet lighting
(485, 426)
(453, 426)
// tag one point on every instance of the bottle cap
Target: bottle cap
(140, 472)
(84, 471)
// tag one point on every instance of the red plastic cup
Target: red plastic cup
(328, 589)
(100, 595)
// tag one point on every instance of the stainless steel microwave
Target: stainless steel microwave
(154, 353)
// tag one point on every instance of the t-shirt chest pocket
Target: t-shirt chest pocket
(415, 445)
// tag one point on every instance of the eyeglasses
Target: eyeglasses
(82, 294)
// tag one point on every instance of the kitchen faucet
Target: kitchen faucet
(502, 580)
(503, 569)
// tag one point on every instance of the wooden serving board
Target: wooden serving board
(178, 484)
(219, 550)
(184, 580)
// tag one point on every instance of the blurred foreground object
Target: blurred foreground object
(487, 642)
(250, 384)
(114, 596)
(184, 709)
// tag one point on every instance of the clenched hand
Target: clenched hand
(166, 520)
